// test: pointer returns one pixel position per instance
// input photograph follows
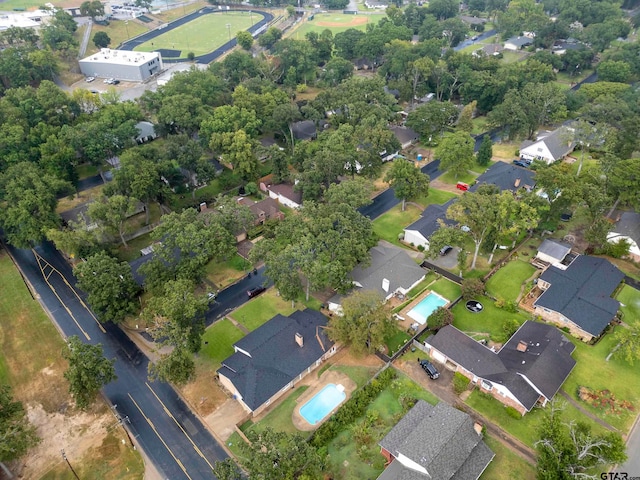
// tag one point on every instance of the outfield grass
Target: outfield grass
(336, 22)
(629, 297)
(218, 340)
(447, 289)
(202, 35)
(506, 465)
(435, 196)
(391, 224)
(490, 320)
(507, 281)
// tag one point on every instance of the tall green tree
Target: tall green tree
(407, 180)
(110, 213)
(110, 285)
(465, 120)
(92, 8)
(624, 179)
(188, 154)
(88, 370)
(17, 434)
(30, 199)
(628, 343)
(432, 118)
(364, 322)
(456, 153)
(101, 39)
(485, 152)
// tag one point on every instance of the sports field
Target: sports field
(202, 35)
(336, 22)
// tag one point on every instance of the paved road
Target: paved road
(387, 199)
(172, 437)
(468, 41)
(209, 57)
(632, 465)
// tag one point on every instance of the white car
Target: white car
(89, 79)
(109, 81)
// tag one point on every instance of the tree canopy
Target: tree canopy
(17, 434)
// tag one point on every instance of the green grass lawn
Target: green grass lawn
(179, 202)
(480, 125)
(223, 274)
(435, 196)
(389, 225)
(512, 57)
(336, 22)
(86, 170)
(202, 35)
(218, 340)
(507, 281)
(506, 465)
(451, 179)
(132, 251)
(280, 417)
(616, 375)
(431, 276)
(447, 289)
(505, 150)
(396, 341)
(629, 297)
(489, 320)
(523, 428)
(360, 375)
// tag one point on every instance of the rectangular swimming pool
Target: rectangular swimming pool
(426, 307)
(322, 403)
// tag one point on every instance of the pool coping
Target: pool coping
(407, 321)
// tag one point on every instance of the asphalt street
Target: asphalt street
(469, 41)
(161, 424)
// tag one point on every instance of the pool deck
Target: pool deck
(327, 377)
(407, 321)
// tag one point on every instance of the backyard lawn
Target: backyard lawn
(391, 224)
(506, 465)
(507, 281)
(435, 196)
(447, 289)
(452, 179)
(279, 418)
(490, 320)
(223, 274)
(218, 340)
(396, 341)
(629, 297)
(431, 276)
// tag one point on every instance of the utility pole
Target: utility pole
(64, 456)
(229, 30)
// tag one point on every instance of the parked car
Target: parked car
(428, 367)
(254, 292)
(89, 79)
(446, 249)
(462, 186)
(115, 82)
(522, 163)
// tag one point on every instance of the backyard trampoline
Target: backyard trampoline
(474, 306)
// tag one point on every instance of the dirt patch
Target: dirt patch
(447, 187)
(204, 395)
(353, 23)
(345, 357)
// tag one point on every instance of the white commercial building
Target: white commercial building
(122, 64)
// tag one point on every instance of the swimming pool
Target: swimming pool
(426, 307)
(323, 403)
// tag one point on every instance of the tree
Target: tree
(624, 178)
(270, 37)
(177, 367)
(101, 39)
(227, 470)
(465, 120)
(17, 434)
(244, 39)
(614, 71)
(30, 199)
(485, 152)
(407, 180)
(628, 343)
(472, 288)
(110, 285)
(111, 213)
(188, 153)
(76, 241)
(364, 322)
(439, 318)
(239, 152)
(92, 8)
(456, 153)
(570, 450)
(88, 370)
(431, 119)
(146, 4)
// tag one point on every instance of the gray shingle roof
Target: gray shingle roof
(506, 176)
(582, 292)
(276, 358)
(428, 223)
(546, 363)
(554, 249)
(404, 134)
(304, 130)
(439, 438)
(558, 142)
(519, 41)
(629, 226)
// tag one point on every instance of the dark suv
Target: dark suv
(428, 367)
(254, 292)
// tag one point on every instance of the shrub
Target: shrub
(499, 303)
(511, 306)
(509, 327)
(472, 288)
(191, 56)
(513, 413)
(440, 318)
(460, 383)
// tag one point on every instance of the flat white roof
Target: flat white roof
(23, 20)
(121, 57)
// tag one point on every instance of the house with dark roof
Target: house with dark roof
(272, 359)
(284, 193)
(391, 272)
(627, 227)
(528, 370)
(507, 176)
(304, 130)
(418, 233)
(435, 442)
(549, 146)
(472, 20)
(490, 49)
(517, 43)
(552, 252)
(578, 296)
(146, 132)
(405, 135)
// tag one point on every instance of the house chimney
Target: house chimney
(522, 346)
(517, 183)
(385, 284)
(299, 340)
(203, 206)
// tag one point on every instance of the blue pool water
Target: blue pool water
(426, 307)
(322, 403)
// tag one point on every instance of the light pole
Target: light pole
(229, 30)
(126, 24)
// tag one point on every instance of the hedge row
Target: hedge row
(353, 408)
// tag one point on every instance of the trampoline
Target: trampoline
(474, 306)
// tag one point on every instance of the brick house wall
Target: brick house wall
(559, 320)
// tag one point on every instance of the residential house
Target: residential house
(391, 272)
(578, 296)
(272, 359)
(528, 370)
(627, 227)
(263, 210)
(418, 233)
(469, 20)
(560, 47)
(490, 49)
(146, 132)
(405, 135)
(507, 176)
(552, 252)
(549, 146)
(284, 193)
(435, 442)
(304, 130)
(517, 43)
